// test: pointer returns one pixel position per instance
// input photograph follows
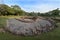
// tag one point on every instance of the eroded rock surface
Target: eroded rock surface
(30, 27)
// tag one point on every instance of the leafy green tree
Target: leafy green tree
(38, 14)
(18, 10)
(55, 12)
(16, 7)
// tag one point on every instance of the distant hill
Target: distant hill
(13, 10)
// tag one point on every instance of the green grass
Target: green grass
(53, 35)
(2, 22)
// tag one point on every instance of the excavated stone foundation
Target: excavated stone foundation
(29, 26)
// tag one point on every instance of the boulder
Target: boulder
(29, 27)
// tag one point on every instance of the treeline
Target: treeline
(10, 10)
(16, 10)
(55, 12)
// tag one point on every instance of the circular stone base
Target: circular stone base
(30, 27)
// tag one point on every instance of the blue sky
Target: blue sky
(35, 5)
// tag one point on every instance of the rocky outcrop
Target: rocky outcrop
(29, 27)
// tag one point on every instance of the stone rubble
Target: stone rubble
(20, 27)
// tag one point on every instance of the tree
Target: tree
(18, 10)
(14, 10)
(38, 14)
(55, 12)
(6, 10)
(16, 7)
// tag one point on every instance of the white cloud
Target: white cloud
(40, 8)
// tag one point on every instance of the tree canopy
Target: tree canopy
(13, 10)
(16, 10)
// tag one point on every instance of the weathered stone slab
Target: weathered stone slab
(36, 27)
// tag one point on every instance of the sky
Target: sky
(35, 5)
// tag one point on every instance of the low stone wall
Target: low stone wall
(23, 27)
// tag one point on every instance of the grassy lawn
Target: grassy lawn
(53, 35)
